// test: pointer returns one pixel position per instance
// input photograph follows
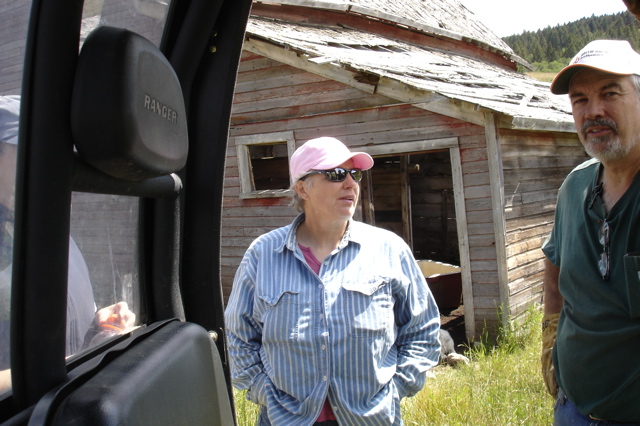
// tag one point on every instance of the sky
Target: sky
(509, 17)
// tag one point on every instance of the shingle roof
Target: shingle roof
(448, 18)
(527, 101)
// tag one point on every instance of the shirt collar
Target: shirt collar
(353, 233)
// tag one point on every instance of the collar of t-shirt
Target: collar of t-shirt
(312, 261)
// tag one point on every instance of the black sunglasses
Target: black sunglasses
(604, 261)
(337, 175)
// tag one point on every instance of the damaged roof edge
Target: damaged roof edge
(539, 124)
(362, 10)
(435, 101)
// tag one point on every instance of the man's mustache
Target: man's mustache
(599, 122)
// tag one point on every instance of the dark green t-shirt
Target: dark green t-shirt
(597, 351)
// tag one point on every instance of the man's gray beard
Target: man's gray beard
(613, 151)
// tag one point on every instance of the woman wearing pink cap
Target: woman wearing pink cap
(330, 320)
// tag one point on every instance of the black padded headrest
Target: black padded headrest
(128, 114)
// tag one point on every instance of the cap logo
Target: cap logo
(589, 54)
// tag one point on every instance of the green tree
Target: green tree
(552, 45)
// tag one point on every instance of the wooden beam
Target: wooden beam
(463, 244)
(525, 123)
(496, 183)
(366, 195)
(431, 101)
(405, 196)
(409, 147)
(292, 58)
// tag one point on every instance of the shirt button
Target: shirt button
(324, 378)
(324, 347)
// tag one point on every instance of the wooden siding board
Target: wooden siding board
(296, 111)
(535, 165)
(289, 91)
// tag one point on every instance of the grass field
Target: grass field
(501, 385)
(543, 76)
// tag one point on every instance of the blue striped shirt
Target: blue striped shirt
(363, 332)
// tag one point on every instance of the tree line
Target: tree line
(551, 48)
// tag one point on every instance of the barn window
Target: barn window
(263, 164)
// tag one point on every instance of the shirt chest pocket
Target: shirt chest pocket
(369, 307)
(278, 312)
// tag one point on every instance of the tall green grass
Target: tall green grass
(502, 385)
(246, 412)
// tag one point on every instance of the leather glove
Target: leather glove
(549, 331)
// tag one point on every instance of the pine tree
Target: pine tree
(551, 48)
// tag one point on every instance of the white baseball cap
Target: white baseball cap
(323, 154)
(612, 56)
(9, 118)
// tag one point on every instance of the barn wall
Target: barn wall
(271, 97)
(14, 17)
(482, 250)
(535, 165)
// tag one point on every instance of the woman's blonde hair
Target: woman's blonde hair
(296, 202)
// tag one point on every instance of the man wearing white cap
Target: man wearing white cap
(330, 321)
(592, 270)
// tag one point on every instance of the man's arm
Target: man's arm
(5, 380)
(553, 301)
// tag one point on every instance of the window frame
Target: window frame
(242, 143)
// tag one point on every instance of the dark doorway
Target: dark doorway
(412, 196)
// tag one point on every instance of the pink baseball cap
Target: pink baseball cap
(323, 154)
(611, 56)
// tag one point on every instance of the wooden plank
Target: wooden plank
(366, 194)
(339, 94)
(292, 90)
(405, 199)
(292, 58)
(463, 243)
(525, 123)
(297, 111)
(279, 75)
(410, 147)
(497, 197)
(518, 234)
(431, 101)
(351, 122)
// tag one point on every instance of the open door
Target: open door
(123, 120)
(417, 192)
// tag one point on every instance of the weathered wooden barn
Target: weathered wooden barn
(469, 153)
